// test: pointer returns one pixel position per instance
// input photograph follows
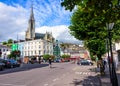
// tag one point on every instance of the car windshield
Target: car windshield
(13, 61)
(84, 61)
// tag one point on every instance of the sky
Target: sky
(49, 17)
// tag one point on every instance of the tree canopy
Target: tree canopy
(88, 22)
(8, 43)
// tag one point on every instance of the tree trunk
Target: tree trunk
(102, 68)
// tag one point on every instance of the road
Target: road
(61, 74)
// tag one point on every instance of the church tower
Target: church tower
(30, 33)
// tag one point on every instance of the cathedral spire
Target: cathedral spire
(30, 33)
(31, 12)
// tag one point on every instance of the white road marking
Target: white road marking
(11, 84)
(82, 73)
(45, 84)
(55, 79)
(88, 73)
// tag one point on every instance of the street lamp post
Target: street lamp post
(113, 74)
(109, 59)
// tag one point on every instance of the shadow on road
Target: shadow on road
(118, 77)
(97, 80)
(23, 67)
(88, 81)
(105, 79)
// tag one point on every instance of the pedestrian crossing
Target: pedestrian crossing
(83, 73)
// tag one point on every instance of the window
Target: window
(25, 53)
(39, 46)
(28, 53)
(31, 52)
(44, 52)
(3, 50)
(39, 52)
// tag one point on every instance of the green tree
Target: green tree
(88, 22)
(96, 4)
(46, 56)
(52, 56)
(65, 56)
(14, 54)
(4, 43)
(8, 43)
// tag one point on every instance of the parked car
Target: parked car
(85, 62)
(14, 63)
(57, 60)
(6, 62)
(2, 65)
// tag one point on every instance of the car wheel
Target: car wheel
(2, 68)
(11, 66)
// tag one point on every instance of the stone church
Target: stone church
(30, 33)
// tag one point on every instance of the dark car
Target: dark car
(85, 62)
(57, 60)
(2, 65)
(6, 62)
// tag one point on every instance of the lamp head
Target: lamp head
(110, 25)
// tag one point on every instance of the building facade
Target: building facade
(35, 48)
(117, 49)
(35, 44)
(4, 51)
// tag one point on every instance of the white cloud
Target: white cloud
(56, 30)
(12, 21)
(60, 33)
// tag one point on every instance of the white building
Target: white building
(35, 47)
(117, 49)
(5, 51)
(117, 46)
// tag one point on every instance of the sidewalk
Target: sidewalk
(78, 77)
(118, 74)
(105, 80)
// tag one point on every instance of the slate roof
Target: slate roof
(3, 46)
(39, 36)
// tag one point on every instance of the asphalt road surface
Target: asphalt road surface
(61, 74)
